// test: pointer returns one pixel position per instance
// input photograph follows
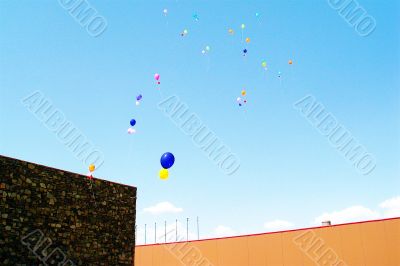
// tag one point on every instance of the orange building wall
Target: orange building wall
(371, 243)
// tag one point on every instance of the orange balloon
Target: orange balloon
(247, 39)
(290, 62)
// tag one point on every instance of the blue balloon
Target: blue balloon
(133, 122)
(167, 160)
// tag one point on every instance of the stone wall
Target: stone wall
(54, 217)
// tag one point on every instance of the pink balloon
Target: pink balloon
(157, 76)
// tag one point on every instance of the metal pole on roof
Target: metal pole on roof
(165, 231)
(176, 230)
(155, 232)
(145, 233)
(187, 229)
(198, 231)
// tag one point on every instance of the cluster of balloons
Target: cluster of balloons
(231, 31)
(184, 32)
(157, 78)
(206, 50)
(92, 167)
(247, 40)
(132, 123)
(290, 62)
(138, 99)
(264, 64)
(242, 101)
(167, 160)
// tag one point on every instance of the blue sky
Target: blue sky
(288, 171)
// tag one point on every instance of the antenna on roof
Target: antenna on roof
(176, 230)
(155, 233)
(198, 231)
(187, 229)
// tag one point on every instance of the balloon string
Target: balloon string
(130, 149)
(94, 198)
(282, 87)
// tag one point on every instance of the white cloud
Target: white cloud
(278, 225)
(223, 231)
(391, 207)
(351, 214)
(163, 208)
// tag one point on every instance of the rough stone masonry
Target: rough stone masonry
(54, 217)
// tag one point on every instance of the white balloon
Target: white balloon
(131, 131)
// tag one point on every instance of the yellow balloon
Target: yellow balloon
(230, 31)
(92, 167)
(247, 39)
(163, 174)
(243, 92)
(264, 64)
